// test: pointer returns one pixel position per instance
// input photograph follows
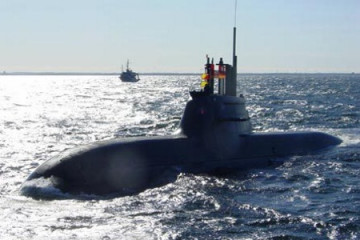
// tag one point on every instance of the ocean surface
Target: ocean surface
(308, 197)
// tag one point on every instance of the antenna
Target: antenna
(234, 51)
(231, 71)
(234, 37)
(234, 47)
(235, 13)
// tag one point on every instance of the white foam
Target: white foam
(41, 188)
(350, 136)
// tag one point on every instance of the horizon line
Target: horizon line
(4, 73)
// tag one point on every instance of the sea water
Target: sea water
(308, 197)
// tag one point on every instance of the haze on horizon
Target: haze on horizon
(174, 36)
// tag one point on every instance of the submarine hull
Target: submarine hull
(215, 136)
(133, 165)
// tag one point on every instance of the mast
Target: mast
(231, 71)
(234, 43)
(234, 59)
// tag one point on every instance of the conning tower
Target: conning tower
(217, 113)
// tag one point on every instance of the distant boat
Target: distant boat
(129, 75)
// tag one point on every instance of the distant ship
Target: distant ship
(129, 75)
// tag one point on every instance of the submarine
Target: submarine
(215, 136)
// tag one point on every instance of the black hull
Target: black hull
(133, 165)
(216, 137)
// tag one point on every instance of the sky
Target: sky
(175, 36)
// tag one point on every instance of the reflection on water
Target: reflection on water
(312, 197)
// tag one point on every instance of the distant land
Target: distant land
(155, 73)
(87, 73)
